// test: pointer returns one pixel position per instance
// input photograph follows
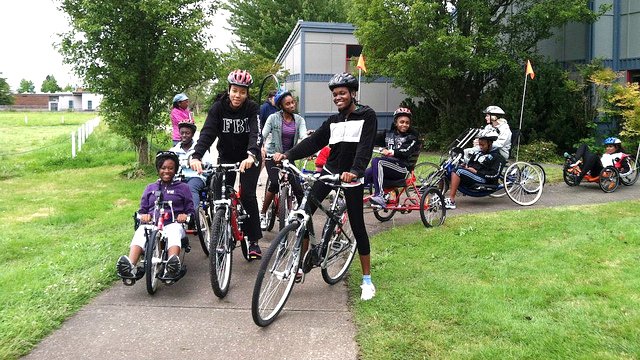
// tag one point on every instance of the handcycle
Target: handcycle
(522, 182)
(409, 194)
(281, 262)
(609, 178)
(155, 253)
(227, 216)
(203, 215)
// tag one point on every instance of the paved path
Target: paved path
(316, 323)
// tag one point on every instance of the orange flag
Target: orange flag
(361, 64)
(529, 70)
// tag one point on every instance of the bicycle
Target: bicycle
(155, 249)
(409, 194)
(280, 264)
(203, 215)
(227, 216)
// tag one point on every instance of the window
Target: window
(633, 76)
(353, 52)
(89, 105)
(70, 104)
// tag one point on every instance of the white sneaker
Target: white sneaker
(263, 221)
(368, 292)
(449, 204)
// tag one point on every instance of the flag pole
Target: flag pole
(359, 87)
(524, 92)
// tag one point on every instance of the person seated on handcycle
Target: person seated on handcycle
(484, 167)
(399, 156)
(614, 155)
(179, 194)
(184, 149)
(494, 118)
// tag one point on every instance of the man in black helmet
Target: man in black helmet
(351, 134)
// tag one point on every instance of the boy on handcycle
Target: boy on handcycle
(179, 194)
(484, 167)
(399, 156)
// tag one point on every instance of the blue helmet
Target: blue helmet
(180, 97)
(280, 95)
(612, 141)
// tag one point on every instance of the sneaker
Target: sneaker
(449, 204)
(378, 200)
(368, 292)
(299, 276)
(172, 269)
(254, 251)
(263, 222)
(575, 163)
(125, 267)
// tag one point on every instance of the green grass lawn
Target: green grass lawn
(536, 284)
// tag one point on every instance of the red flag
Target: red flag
(361, 64)
(529, 70)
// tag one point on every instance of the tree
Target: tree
(448, 52)
(138, 54)
(263, 26)
(50, 85)
(5, 92)
(26, 86)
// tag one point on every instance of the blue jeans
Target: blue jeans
(196, 185)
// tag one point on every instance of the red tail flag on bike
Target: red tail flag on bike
(529, 70)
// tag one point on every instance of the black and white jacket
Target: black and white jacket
(406, 147)
(351, 138)
(238, 131)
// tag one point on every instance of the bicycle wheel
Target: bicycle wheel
(203, 226)
(524, 183)
(386, 214)
(629, 178)
(152, 260)
(340, 248)
(277, 275)
(425, 171)
(285, 203)
(271, 210)
(609, 179)
(220, 254)
(568, 175)
(432, 210)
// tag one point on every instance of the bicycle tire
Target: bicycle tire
(152, 261)
(631, 177)
(271, 210)
(203, 226)
(386, 214)
(277, 275)
(285, 203)
(568, 176)
(340, 249)
(220, 255)
(432, 209)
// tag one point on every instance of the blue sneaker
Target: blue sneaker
(378, 200)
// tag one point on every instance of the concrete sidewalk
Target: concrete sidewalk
(315, 324)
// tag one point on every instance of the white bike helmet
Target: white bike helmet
(490, 134)
(493, 110)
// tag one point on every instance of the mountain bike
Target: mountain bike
(280, 263)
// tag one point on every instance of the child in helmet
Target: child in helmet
(233, 120)
(179, 113)
(484, 167)
(399, 156)
(494, 118)
(286, 129)
(614, 155)
(178, 193)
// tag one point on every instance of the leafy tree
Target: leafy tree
(26, 86)
(448, 52)
(263, 26)
(50, 85)
(67, 88)
(138, 54)
(620, 102)
(5, 92)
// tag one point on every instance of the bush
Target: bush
(540, 151)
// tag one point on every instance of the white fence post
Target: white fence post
(73, 144)
(26, 120)
(80, 139)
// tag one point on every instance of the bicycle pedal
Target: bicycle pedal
(243, 217)
(187, 249)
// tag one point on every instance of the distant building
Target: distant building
(71, 101)
(313, 53)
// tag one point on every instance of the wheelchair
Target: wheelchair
(522, 182)
(609, 178)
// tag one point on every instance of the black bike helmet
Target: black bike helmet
(343, 79)
(161, 156)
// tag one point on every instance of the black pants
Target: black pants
(590, 162)
(248, 185)
(353, 199)
(273, 172)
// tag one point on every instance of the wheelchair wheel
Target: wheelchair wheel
(501, 191)
(568, 175)
(203, 226)
(271, 211)
(425, 172)
(523, 183)
(609, 179)
(432, 210)
(153, 260)
(631, 177)
(386, 214)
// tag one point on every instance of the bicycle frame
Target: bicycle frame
(230, 204)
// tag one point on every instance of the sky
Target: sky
(28, 29)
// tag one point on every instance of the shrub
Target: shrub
(541, 151)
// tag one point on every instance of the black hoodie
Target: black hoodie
(237, 130)
(406, 147)
(351, 139)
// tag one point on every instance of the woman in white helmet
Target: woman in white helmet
(494, 117)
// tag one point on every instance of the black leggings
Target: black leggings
(590, 162)
(353, 199)
(248, 185)
(273, 172)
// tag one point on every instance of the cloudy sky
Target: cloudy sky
(28, 29)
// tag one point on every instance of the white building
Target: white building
(313, 53)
